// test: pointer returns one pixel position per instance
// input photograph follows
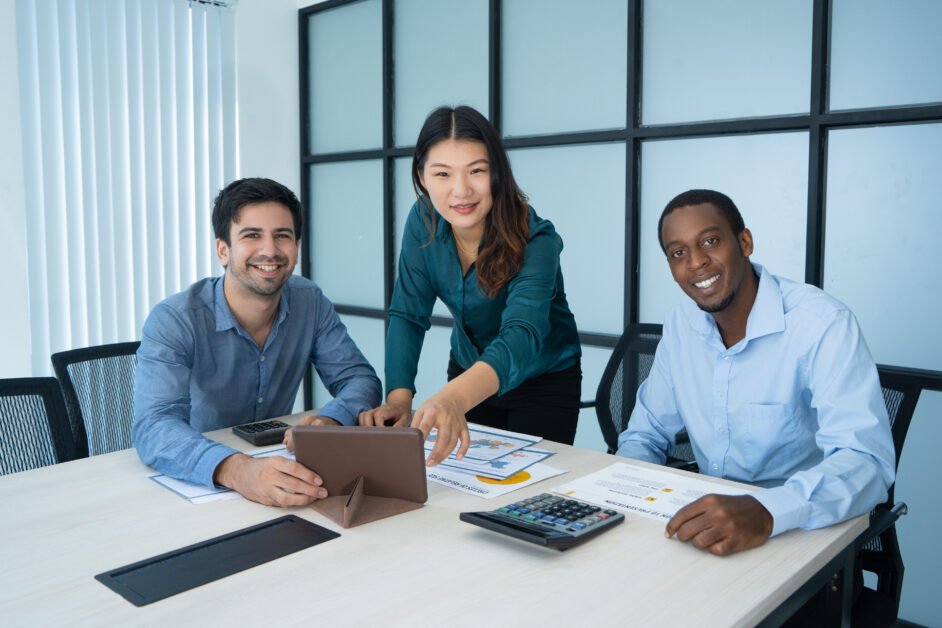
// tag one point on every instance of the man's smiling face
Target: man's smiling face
(263, 248)
(708, 261)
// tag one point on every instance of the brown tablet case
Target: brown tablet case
(369, 472)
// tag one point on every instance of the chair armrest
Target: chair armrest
(881, 519)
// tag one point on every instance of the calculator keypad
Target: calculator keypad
(557, 513)
(264, 426)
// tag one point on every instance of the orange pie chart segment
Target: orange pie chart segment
(516, 478)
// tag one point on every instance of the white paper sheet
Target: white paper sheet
(489, 487)
(199, 494)
(643, 491)
(488, 443)
(501, 468)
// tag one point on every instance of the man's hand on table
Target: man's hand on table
(308, 420)
(722, 524)
(273, 481)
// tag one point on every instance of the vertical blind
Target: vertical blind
(129, 129)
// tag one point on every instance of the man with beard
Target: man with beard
(773, 382)
(233, 349)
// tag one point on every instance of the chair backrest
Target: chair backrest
(631, 361)
(34, 426)
(901, 389)
(98, 387)
(878, 546)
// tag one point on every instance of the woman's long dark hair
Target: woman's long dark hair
(506, 227)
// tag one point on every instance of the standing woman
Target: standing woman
(472, 241)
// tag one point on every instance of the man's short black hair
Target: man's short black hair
(237, 194)
(723, 203)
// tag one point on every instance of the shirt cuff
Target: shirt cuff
(212, 458)
(336, 411)
(788, 510)
(637, 451)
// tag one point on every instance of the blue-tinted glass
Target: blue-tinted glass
(588, 432)
(346, 231)
(881, 253)
(917, 486)
(346, 77)
(433, 363)
(564, 65)
(731, 59)
(436, 62)
(581, 189)
(883, 226)
(765, 175)
(885, 53)
(368, 333)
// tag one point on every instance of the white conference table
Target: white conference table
(61, 525)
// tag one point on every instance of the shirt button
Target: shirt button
(261, 359)
(261, 399)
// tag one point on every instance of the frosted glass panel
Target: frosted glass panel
(346, 231)
(437, 63)
(765, 175)
(404, 199)
(885, 53)
(433, 363)
(588, 432)
(565, 65)
(884, 218)
(368, 333)
(917, 485)
(732, 59)
(346, 77)
(581, 189)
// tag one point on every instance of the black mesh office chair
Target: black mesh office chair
(98, 387)
(630, 364)
(34, 426)
(878, 546)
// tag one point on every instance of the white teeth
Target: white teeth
(706, 283)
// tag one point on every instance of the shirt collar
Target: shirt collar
(224, 317)
(766, 317)
(768, 311)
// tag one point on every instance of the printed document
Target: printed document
(198, 494)
(488, 443)
(640, 490)
(501, 468)
(489, 487)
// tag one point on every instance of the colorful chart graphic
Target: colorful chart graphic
(516, 478)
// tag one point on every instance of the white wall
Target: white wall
(14, 315)
(267, 71)
(269, 128)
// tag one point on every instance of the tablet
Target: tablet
(390, 459)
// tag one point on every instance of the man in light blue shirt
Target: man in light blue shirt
(233, 349)
(772, 380)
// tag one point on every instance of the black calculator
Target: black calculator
(263, 432)
(548, 520)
